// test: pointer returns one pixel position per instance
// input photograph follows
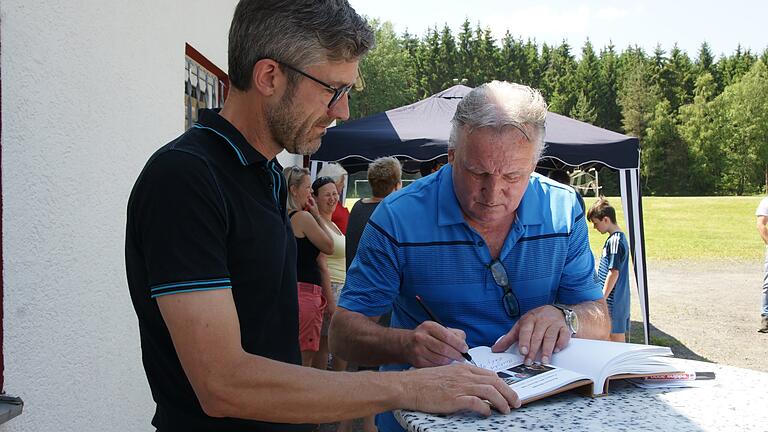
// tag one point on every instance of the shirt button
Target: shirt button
(480, 243)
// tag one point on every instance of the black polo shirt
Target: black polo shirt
(208, 213)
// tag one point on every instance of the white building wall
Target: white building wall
(89, 90)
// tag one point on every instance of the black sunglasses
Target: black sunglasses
(338, 92)
(511, 305)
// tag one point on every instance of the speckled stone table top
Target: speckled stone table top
(736, 401)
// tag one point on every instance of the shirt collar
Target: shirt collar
(211, 120)
(449, 209)
(529, 212)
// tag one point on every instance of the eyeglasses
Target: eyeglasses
(338, 92)
(511, 305)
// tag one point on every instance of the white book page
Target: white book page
(593, 359)
(601, 359)
(527, 381)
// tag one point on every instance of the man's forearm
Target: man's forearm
(763, 230)
(261, 389)
(594, 321)
(358, 339)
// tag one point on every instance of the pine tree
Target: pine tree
(450, 63)
(587, 83)
(664, 159)
(637, 94)
(530, 67)
(389, 72)
(558, 78)
(698, 131)
(608, 111)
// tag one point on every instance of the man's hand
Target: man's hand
(540, 330)
(431, 344)
(456, 387)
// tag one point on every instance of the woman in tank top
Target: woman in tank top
(327, 197)
(312, 237)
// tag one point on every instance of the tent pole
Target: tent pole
(631, 201)
(314, 166)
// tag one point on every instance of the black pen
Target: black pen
(435, 319)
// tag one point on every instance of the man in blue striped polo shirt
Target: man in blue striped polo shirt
(494, 250)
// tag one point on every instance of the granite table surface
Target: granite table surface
(737, 400)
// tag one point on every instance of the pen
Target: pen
(434, 318)
(682, 376)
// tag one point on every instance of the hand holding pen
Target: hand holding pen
(435, 344)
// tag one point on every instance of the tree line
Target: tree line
(702, 122)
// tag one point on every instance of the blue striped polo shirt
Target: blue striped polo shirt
(615, 256)
(418, 243)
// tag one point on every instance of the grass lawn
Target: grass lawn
(693, 228)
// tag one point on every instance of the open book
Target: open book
(586, 363)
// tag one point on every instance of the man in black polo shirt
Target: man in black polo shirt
(211, 259)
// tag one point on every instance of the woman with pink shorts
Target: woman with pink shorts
(312, 237)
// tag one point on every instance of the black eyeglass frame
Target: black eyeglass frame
(338, 92)
(509, 300)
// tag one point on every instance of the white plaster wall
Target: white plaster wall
(89, 90)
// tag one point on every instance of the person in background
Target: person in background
(762, 229)
(497, 251)
(339, 175)
(326, 196)
(312, 238)
(210, 256)
(613, 271)
(384, 177)
(431, 166)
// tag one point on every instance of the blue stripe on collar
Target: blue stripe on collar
(237, 150)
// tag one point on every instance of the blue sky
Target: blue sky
(723, 24)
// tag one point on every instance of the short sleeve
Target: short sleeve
(179, 221)
(616, 252)
(762, 208)
(373, 279)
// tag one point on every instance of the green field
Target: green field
(681, 228)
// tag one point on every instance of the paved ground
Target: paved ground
(707, 311)
(703, 310)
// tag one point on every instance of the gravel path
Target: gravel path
(706, 310)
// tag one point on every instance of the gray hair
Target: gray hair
(297, 32)
(332, 170)
(384, 174)
(498, 104)
(294, 175)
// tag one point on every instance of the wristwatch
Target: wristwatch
(571, 319)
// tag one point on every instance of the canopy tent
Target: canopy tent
(419, 132)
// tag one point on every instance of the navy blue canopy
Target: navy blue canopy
(420, 132)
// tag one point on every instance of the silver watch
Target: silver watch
(571, 319)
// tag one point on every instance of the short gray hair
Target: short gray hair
(498, 104)
(384, 174)
(297, 32)
(332, 170)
